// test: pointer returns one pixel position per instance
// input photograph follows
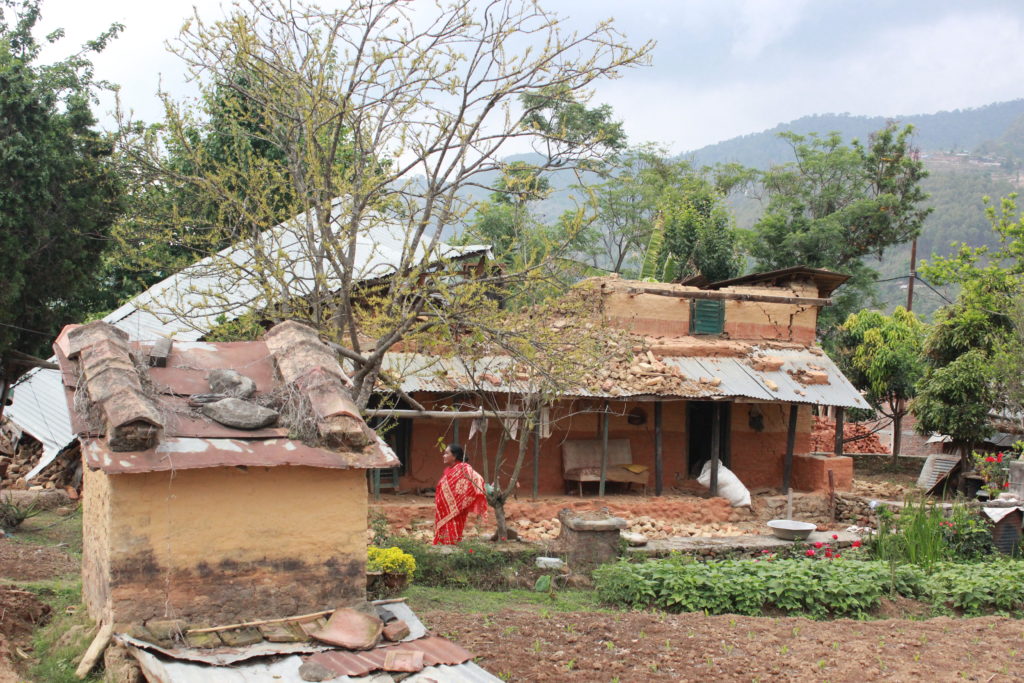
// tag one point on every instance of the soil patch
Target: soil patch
(20, 613)
(26, 562)
(643, 646)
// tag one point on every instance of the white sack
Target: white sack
(729, 485)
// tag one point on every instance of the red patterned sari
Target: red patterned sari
(460, 491)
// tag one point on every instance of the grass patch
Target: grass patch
(60, 644)
(470, 601)
(51, 529)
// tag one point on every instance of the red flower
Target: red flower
(999, 457)
(838, 557)
(810, 553)
(828, 552)
(835, 537)
(989, 458)
(818, 544)
(764, 552)
(855, 544)
(1006, 485)
(470, 550)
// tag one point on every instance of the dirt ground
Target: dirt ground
(536, 646)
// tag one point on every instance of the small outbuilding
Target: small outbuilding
(260, 513)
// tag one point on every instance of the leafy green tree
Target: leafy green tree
(837, 204)
(59, 188)
(663, 216)
(382, 119)
(884, 356)
(977, 342)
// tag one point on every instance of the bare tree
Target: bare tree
(373, 120)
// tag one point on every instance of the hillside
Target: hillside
(959, 130)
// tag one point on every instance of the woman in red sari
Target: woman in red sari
(460, 491)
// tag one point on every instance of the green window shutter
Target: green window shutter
(707, 316)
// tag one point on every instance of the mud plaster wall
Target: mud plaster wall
(756, 456)
(96, 542)
(656, 315)
(226, 544)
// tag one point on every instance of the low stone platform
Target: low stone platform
(750, 544)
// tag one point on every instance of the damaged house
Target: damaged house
(197, 503)
(728, 372)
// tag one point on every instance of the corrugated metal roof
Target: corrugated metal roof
(261, 663)
(738, 378)
(39, 407)
(286, 670)
(351, 663)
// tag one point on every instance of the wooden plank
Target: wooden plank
(659, 468)
(716, 429)
(536, 459)
(840, 425)
(604, 450)
(732, 296)
(787, 468)
(159, 353)
(95, 651)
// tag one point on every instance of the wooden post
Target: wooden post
(604, 449)
(787, 468)
(716, 443)
(375, 478)
(659, 468)
(536, 458)
(840, 425)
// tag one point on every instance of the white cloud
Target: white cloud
(760, 24)
(958, 61)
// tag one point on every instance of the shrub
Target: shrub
(390, 561)
(470, 564)
(923, 535)
(817, 589)
(12, 514)
(979, 588)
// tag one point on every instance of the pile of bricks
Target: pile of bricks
(824, 435)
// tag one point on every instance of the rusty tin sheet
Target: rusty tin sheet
(189, 363)
(176, 453)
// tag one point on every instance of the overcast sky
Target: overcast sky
(721, 68)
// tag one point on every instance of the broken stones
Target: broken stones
(234, 412)
(633, 539)
(351, 629)
(396, 630)
(231, 383)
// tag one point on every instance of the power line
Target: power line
(48, 335)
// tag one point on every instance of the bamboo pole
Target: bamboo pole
(659, 465)
(787, 468)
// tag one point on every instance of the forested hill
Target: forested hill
(959, 130)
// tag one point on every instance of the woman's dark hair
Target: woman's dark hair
(457, 451)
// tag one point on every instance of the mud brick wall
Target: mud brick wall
(224, 544)
(658, 315)
(96, 543)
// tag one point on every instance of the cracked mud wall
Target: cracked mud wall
(224, 544)
(657, 315)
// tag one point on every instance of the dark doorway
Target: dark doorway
(700, 416)
(396, 432)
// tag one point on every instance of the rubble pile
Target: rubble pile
(19, 456)
(823, 437)
(643, 373)
(649, 527)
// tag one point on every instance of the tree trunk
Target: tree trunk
(501, 531)
(897, 435)
(965, 467)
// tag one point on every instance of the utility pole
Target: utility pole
(913, 275)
